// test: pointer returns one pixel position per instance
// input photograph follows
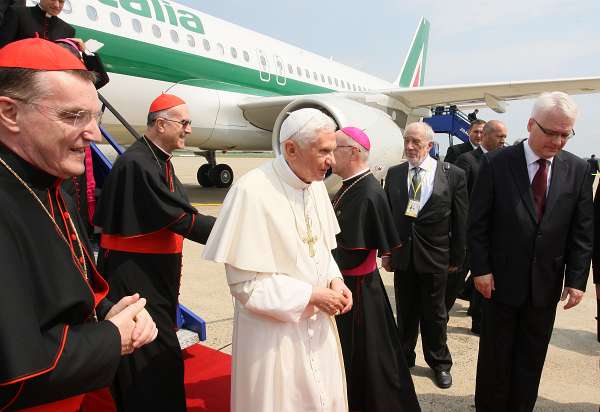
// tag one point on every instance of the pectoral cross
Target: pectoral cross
(310, 239)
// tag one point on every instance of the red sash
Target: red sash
(163, 241)
(366, 267)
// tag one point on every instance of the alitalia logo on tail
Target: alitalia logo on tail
(413, 69)
(157, 9)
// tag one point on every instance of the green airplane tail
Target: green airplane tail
(413, 69)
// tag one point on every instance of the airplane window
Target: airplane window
(307, 74)
(156, 31)
(191, 40)
(329, 79)
(220, 48)
(342, 83)
(263, 61)
(92, 13)
(115, 19)
(322, 78)
(353, 87)
(290, 69)
(174, 36)
(206, 44)
(315, 77)
(233, 52)
(279, 67)
(137, 26)
(246, 56)
(336, 81)
(299, 71)
(67, 8)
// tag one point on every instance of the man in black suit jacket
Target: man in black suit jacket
(24, 22)
(5, 4)
(494, 137)
(429, 204)
(529, 232)
(596, 257)
(475, 134)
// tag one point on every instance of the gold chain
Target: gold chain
(84, 266)
(303, 236)
(337, 201)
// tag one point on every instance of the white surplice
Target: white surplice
(286, 353)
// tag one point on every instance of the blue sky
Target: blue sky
(470, 42)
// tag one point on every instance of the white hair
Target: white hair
(424, 127)
(555, 101)
(307, 133)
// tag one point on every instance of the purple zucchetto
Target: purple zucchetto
(358, 136)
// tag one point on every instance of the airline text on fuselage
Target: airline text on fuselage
(156, 9)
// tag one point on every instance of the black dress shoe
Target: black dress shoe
(443, 379)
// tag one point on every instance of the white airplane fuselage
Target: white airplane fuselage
(218, 65)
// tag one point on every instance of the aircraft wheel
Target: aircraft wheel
(203, 176)
(221, 176)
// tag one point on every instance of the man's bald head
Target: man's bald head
(494, 135)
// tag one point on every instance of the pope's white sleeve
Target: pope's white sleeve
(275, 295)
(333, 271)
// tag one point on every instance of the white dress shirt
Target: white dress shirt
(429, 166)
(532, 166)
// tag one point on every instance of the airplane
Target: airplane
(240, 85)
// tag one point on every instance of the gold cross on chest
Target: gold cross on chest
(309, 238)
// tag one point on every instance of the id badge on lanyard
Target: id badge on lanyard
(412, 209)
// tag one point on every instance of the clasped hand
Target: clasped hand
(334, 300)
(135, 324)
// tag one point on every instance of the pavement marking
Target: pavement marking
(206, 204)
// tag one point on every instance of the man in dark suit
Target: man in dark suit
(24, 22)
(596, 257)
(529, 232)
(429, 204)
(475, 134)
(5, 4)
(494, 137)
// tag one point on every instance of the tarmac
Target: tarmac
(571, 377)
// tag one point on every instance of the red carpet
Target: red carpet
(207, 379)
(207, 383)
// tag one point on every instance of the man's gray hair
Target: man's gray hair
(363, 153)
(424, 127)
(152, 116)
(555, 101)
(307, 132)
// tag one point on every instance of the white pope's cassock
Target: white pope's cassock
(286, 352)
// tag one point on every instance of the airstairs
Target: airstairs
(451, 121)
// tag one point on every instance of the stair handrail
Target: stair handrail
(121, 119)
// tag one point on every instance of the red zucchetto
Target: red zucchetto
(165, 101)
(38, 54)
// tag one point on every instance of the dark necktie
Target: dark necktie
(414, 193)
(539, 184)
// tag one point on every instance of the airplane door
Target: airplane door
(263, 66)
(280, 70)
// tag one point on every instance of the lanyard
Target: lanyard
(415, 189)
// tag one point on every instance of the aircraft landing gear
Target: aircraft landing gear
(212, 174)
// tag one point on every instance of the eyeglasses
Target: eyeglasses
(554, 134)
(183, 123)
(75, 119)
(354, 147)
